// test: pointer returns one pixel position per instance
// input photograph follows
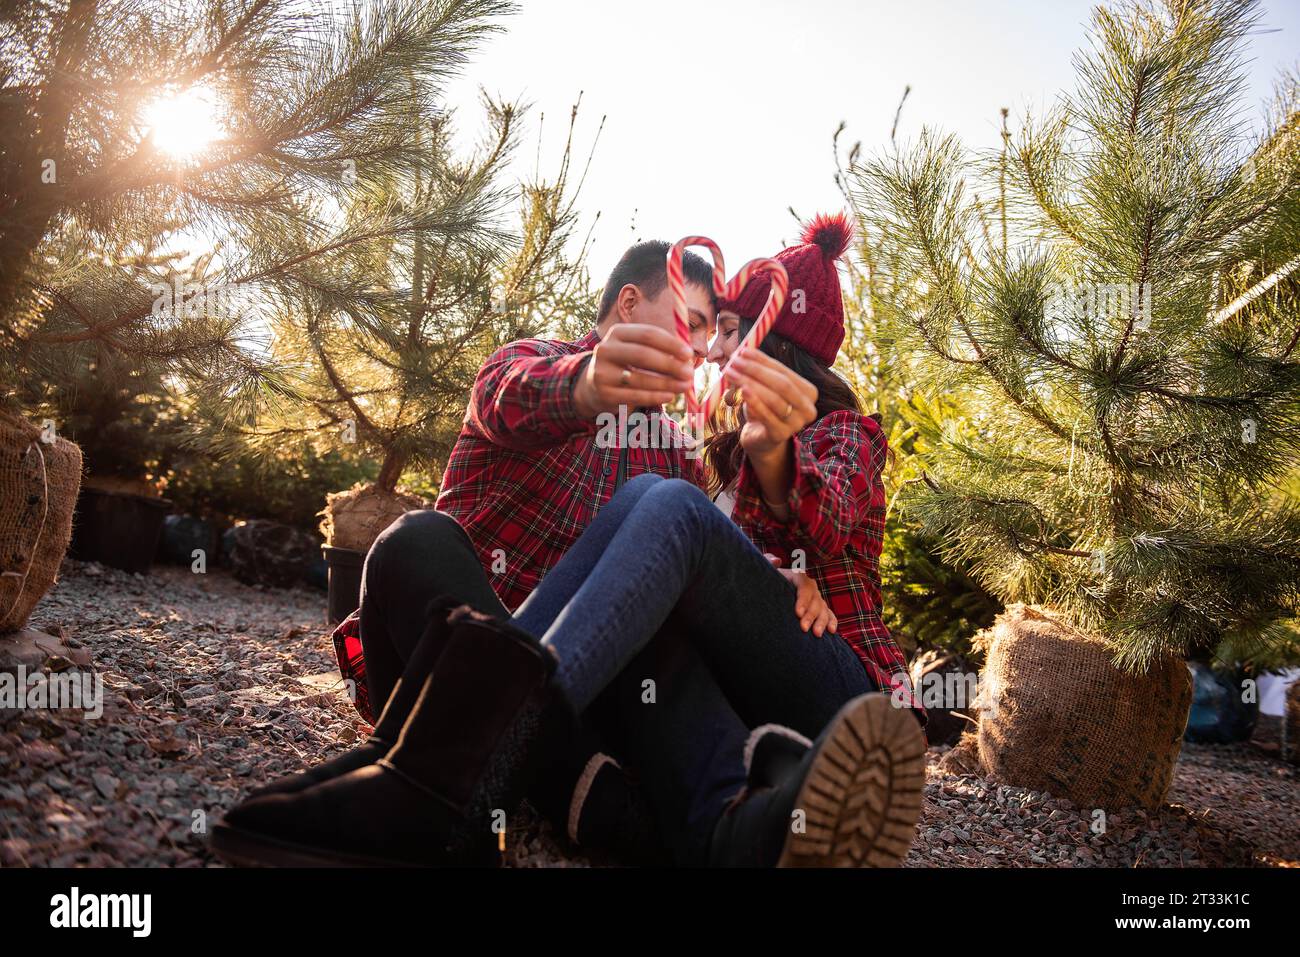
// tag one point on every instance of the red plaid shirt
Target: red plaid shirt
(837, 521)
(526, 475)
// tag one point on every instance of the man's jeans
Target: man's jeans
(667, 622)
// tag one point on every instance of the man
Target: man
(472, 697)
(525, 478)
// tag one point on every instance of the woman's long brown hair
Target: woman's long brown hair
(722, 451)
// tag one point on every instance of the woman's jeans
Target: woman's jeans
(663, 615)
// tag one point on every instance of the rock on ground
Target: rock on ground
(213, 688)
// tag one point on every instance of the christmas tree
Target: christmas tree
(929, 604)
(170, 175)
(1112, 301)
(393, 378)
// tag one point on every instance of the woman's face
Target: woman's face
(728, 337)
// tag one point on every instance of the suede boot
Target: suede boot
(395, 711)
(851, 800)
(445, 792)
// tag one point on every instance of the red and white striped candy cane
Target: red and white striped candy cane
(762, 326)
(677, 289)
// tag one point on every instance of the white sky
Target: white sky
(720, 114)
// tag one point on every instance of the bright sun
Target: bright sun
(186, 124)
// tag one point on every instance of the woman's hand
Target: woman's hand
(809, 604)
(778, 402)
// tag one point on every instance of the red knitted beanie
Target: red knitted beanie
(813, 315)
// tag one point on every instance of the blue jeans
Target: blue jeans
(665, 605)
(660, 547)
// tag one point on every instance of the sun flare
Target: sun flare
(186, 124)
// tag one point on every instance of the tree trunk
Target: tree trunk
(391, 471)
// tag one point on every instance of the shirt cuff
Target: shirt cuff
(750, 506)
(559, 406)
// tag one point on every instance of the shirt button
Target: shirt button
(608, 471)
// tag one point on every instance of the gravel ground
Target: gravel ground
(1230, 806)
(212, 688)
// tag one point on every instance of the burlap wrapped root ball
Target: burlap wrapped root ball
(39, 482)
(1059, 716)
(354, 519)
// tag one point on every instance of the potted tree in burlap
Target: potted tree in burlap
(394, 379)
(1112, 296)
(135, 134)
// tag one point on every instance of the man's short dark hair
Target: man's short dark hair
(645, 266)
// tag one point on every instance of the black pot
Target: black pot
(1218, 714)
(181, 536)
(117, 529)
(344, 581)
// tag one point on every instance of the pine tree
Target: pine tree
(929, 603)
(1129, 419)
(98, 223)
(395, 379)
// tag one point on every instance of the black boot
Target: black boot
(587, 795)
(772, 752)
(482, 720)
(851, 800)
(607, 813)
(395, 712)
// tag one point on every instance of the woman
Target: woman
(802, 475)
(662, 593)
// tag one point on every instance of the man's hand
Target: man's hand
(635, 365)
(778, 402)
(809, 604)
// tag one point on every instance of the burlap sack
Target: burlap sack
(354, 519)
(964, 756)
(39, 482)
(1059, 716)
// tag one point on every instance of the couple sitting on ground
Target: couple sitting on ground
(669, 675)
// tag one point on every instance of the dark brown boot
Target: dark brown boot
(441, 796)
(852, 799)
(396, 710)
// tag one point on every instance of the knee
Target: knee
(644, 481)
(413, 533)
(680, 495)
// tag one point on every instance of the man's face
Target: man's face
(699, 312)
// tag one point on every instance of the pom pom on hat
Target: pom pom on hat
(831, 233)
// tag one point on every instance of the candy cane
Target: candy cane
(677, 288)
(726, 290)
(762, 326)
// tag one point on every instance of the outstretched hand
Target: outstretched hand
(635, 365)
(778, 401)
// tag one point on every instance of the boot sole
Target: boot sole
(242, 848)
(862, 795)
